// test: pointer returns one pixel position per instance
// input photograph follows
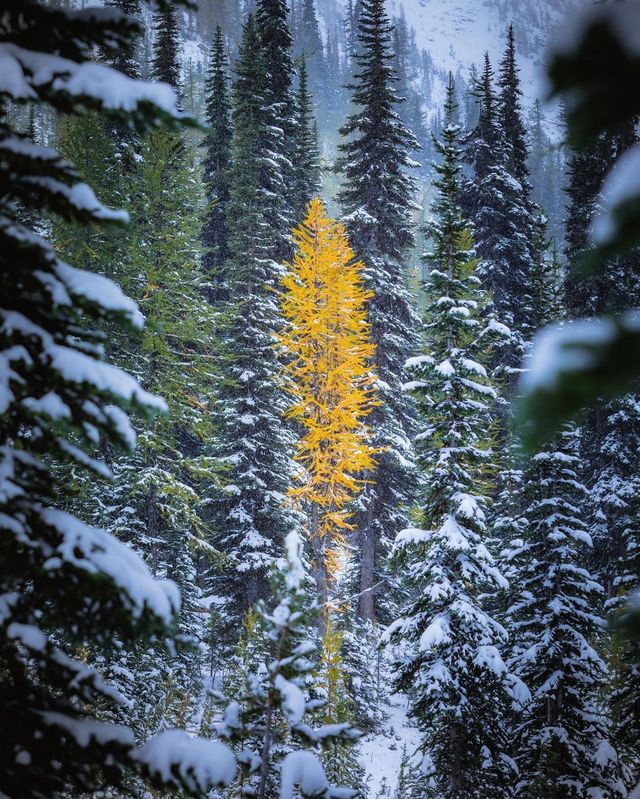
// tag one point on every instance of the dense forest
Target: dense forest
(319, 405)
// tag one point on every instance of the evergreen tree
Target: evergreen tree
(308, 44)
(307, 172)
(610, 433)
(512, 124)
(69, 588)
(216, 168)
(563, 739)
(448, 647)
(278, 106)
(124, 59)
(249, 520)
(501, 219)
(165, 65)
(265, 722)
(377, 198)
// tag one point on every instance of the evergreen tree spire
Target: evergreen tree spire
(449, 659)
(124, 60)
(216, 166)
(279, 105)
(306, 160)
(503, 232)
(563, 743)
(513, 128)
(377, 198)
(165, 64)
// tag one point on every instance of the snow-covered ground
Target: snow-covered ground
(380, 754)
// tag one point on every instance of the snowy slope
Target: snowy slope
(456, 33)
(380, 755)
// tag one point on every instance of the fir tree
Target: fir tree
(448, 647)
(69, 588)
(308, 44)
(249, 519)
(563, 744)
(278, 104)
(124, 59)
(306, 158)
(216, 168)
(377, 198)
(513, 128)
(165, 65)
(501, 218)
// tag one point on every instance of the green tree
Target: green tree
(377, 198)
(449, 648)
(67, 586)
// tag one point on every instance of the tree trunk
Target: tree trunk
(367, 600)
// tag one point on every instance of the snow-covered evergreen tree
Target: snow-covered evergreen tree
(265, 722)
(165, 64)
(502, 228)
(610, 432)
(69, 589)
(447, 655)
(250, 520)
(377, 198)
(563, 746)
(278, 109)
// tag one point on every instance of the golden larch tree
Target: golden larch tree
(328, 374)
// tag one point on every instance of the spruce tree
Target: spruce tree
(306, 156)
(278, 104)
(610, 432)
(563, 739)
(308, 44)
(377, 198)
(250, 521)
(448, 647)
(216, 168)
(124, 59)
(69, 588)
(512, 124)
(165, 65)
(501, 217)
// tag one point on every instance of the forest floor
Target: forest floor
(380, 754)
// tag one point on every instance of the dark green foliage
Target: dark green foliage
(166, 47)
(377, 198)
(216, 168)
(497, 206)
(513, 129)
(448, 654)
(67, 589)
(250, 520)
(593, 74)
(306, 161)
(278, 107)
(562, 745)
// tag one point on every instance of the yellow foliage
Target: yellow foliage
(328, 373)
